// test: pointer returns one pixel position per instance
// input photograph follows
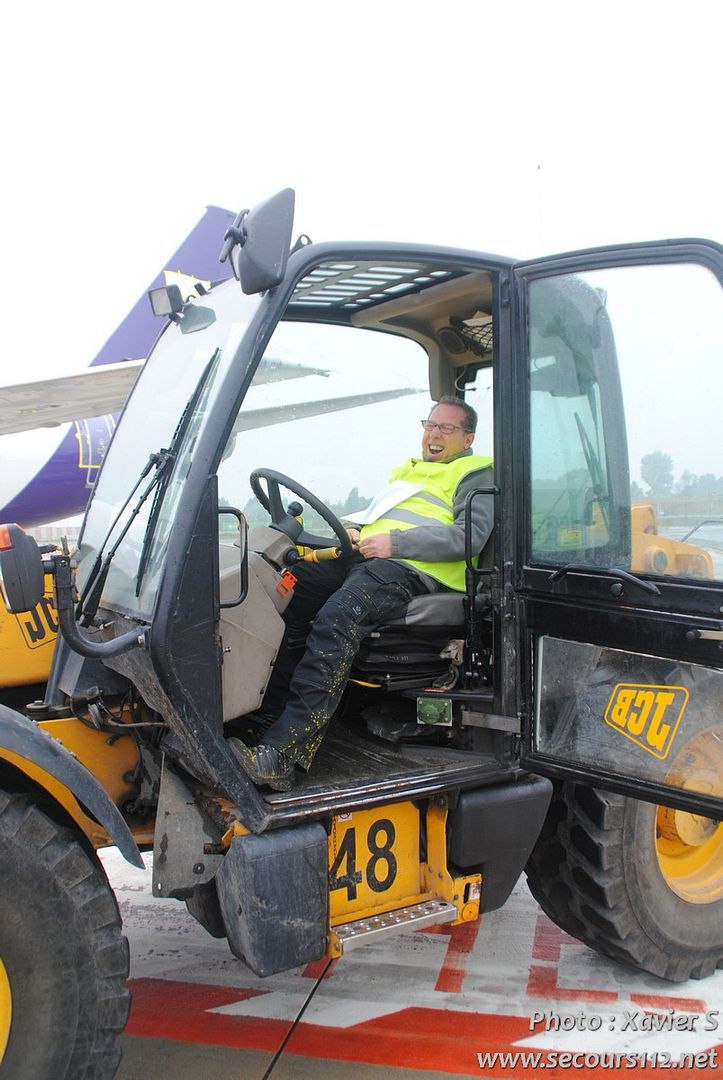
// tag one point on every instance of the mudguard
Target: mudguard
(22, 737)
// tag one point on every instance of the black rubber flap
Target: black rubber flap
(273, 893)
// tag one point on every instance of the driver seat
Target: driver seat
(424, 646)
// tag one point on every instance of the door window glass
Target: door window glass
(634, 716)
(626, 455)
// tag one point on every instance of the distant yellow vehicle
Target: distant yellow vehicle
(660, 554)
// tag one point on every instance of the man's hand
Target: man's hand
(376, 547)
(354, 535)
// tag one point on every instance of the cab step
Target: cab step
(414, 917)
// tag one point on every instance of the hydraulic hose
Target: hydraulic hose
(64, 590)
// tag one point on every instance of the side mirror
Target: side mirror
(166, 300)
(22, 577)
(258, 242)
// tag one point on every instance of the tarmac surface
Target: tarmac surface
(425, 1004)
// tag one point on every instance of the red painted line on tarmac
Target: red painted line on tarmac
(549, 939)
(462, 940)
(445, 1040)
(178, 1011)
(316, 969)
(543, 981)
(415, 1038)
(650, 1001)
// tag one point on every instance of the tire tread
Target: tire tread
(576, 875)
(78, 879)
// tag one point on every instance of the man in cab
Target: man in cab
(415, 546)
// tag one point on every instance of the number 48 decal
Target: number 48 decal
(381, 868)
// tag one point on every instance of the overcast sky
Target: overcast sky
(514, 127)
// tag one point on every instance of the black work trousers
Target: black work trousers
(335, 605)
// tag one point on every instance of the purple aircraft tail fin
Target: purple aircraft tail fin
(198, 257)
(61, 486)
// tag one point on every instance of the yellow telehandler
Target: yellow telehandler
(560, 717)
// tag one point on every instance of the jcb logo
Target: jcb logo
(649, 715)
(40, 624)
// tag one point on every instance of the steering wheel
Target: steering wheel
(271, 502)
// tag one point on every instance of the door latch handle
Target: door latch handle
(704, 635)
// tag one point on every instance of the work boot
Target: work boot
(265, 765)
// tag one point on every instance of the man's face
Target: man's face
(441, 446)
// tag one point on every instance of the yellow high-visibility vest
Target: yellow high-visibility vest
(432, 504)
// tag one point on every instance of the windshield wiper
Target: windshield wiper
(152, 460)
(594, 468)
(178, 435)
(90, 597)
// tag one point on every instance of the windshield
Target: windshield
(180, 379)
(336, 408)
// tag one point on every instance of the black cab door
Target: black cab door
(618, 506)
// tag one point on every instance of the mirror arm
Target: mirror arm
(235, 234)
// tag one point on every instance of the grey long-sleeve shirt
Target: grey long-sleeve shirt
(445, 543)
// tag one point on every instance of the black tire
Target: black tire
(595, 872)
(62, 950)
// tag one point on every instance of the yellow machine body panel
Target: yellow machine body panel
(27, 641)
(374, 861)
(651, 551)
(387, 859)
(112, 760)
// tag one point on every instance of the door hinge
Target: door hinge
(508, 603)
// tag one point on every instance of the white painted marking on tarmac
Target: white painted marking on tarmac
(331, 1013)
(384, 978)
(617, 1042)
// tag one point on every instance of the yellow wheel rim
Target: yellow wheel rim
(6, 1009)
(690, 847)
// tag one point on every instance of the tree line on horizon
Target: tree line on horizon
(657, 473)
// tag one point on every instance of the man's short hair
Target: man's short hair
(470, 415)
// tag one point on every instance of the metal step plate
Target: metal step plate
(414, 917)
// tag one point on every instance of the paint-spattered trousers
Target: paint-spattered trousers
(346, 601)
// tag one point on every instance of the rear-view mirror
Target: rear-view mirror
(260, 261)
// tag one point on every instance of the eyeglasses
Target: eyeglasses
(446, 429)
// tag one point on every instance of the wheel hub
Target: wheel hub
(6, 1009)
(689, 846)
